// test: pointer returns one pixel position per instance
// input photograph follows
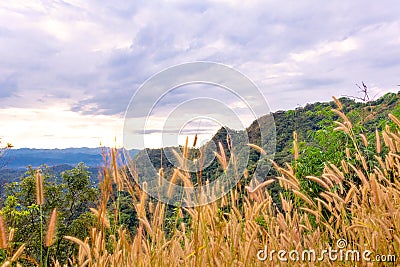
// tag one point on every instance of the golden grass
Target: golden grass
(224, 233)
(366, 215)
(39, 188)
(3, 234)
(51, 229)
(221, 156)
(258, 149)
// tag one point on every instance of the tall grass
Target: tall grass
(40, 202)
(366, 215)
(359, 202)
(6, 242)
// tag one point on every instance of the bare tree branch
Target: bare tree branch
(3, 153)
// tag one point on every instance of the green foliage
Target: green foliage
(72, 195)
(327, 147)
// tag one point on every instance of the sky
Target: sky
(69, 69)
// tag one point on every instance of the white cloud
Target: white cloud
(90, 56)
(55, 127)
(335, 49)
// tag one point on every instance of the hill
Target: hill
(307, 121)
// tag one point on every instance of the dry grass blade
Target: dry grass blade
(39, 188)
(344, 117)
(364, 139)
(195, 140)
(185, 152)
(11, 234)
(18, 253)
(260, 186)
(51, 228)
(344, 166)
(290, 175)
(341, 127)
(3, 234)
(350, 194)
(378, 142)
(82, 244)
(347, 150)
(337, 102)
(360, 174)
(319, 181)
(185, 179)
(178, 157)
(304, 197)
(288, 183)
(95, 212)
(388, 141)
(160, 176)
(295, 147)
(117, 178)
(394, 119)
(101, 216)
(172, 182)
(313, 212)
(258, 149)
(335, 196)
(147, 225)
(222, 157)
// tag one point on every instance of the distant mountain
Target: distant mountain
(23, 157)
(16, 161)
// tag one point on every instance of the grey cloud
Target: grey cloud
(308, 82)
(184, 131)
(258, 40)
(8, 86)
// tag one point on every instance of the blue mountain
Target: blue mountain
(23, 157)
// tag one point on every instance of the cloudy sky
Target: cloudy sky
(68, 69)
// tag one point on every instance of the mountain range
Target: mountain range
(16, 161)
(23, 157)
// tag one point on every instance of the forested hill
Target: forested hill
(307, 121)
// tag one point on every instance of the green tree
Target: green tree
(72, 194)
